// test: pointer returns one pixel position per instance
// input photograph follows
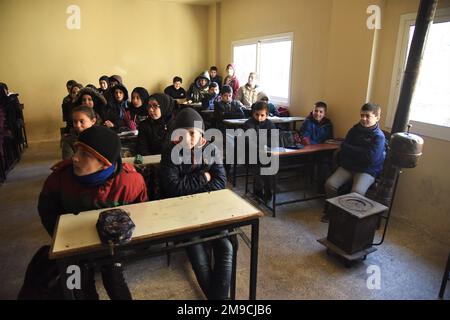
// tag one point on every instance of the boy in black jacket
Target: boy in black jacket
(197, 176)
(258, 121)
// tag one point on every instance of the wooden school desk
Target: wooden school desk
(297, 158)
(170, 220)
(239, 123)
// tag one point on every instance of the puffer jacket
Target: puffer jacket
(62, 193)
(196, 92)
(363, 150)
(185, 179)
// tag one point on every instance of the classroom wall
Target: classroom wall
(146, 42)
(310, 23)
(333, 50)
(422, 196)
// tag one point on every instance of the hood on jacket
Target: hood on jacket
(203, 75)
(123, 89)
(99, 100)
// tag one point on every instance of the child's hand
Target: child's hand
(208, 176)
(109, 124)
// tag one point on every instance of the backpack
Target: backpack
(42, 278)
(115, 227)
(290, 139)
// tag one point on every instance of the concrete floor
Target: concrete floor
(292, 264)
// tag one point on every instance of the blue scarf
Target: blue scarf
(96, 178)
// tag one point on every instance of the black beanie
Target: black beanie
(185, 119)
(102, 143)
(227, 89)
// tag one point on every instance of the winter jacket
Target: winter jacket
(67, 148)
(217, 79)
(152, 135)
(209, 100)
(233, 82)
(256, 125)
(196, 92)
(66, 107)
(174, 93)
(185, 179)
(137, 115)
(316, 132)
(363, 150)
(247, 95)
(62, 193)
(227, 110)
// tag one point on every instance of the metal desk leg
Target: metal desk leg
(445, 278)
(274, 195)
(234, 242)
(254, 259)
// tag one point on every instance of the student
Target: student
(137, 109)
(69, 103)
(214, 77)
(114, 80)
(362, 155)
(175, 90)
(191, 178)
(248, 94)
(258, 121)
(273, 111)
(227, 108)
(83, 117)
(317, 127)
(199, 89)
(153, 131)
(115, 114)
(93, 99)
(103, 82)
(93, 179)
(231, 79)
(212, 96)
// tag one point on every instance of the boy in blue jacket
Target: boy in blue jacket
(362, 155)
(317, 127)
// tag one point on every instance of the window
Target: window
(430, 106)
(271, 58)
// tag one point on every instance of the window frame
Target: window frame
(269, 39)
(423, 128)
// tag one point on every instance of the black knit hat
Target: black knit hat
(227, 89)
(185, 120)
(102, 143)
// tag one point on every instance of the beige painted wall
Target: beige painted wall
(146, 42)
(332, 56)
(310, 23)
(423, 192)
(349, 56)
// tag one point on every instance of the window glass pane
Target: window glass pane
(431, 101)
(275, 67)
(245, 60)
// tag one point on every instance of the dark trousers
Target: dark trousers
(214, 280)
(113, 281)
